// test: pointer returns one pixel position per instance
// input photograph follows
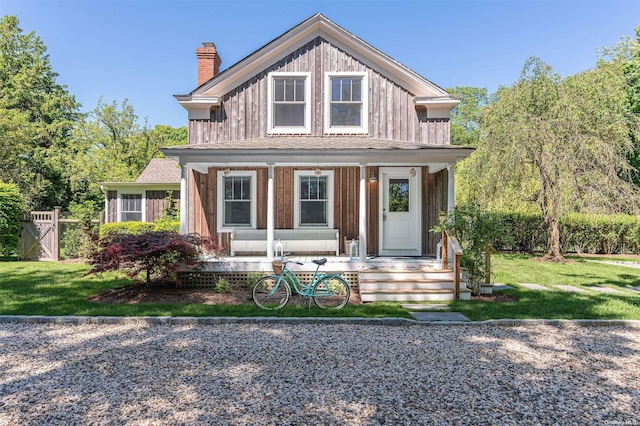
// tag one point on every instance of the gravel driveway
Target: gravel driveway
(306, 374)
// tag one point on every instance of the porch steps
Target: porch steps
(413, 285)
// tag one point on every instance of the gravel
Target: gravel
(301, 374)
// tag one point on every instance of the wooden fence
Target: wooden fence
(40, 232)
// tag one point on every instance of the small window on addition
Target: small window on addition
(131, 208)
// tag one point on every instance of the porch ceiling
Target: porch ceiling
(315, 151)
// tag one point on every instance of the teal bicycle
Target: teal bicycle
(328, 291)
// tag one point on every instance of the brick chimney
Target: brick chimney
(208, 62)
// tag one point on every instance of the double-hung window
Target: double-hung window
(131, 208)
(346, 103)
(289, 99)
(236, 200)
(314, 199)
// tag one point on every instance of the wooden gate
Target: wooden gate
(39, 236)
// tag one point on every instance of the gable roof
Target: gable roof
(318, 25)
(160, 170)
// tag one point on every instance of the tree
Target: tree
(559, 143)
(465, 117)
(626, 53)
(11, 209)
(160, 253)
(36, 118)
(111, 145)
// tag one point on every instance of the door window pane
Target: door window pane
(398, 195)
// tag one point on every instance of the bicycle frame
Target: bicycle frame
(290, 278)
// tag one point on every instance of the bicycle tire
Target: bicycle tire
(271, 293)
(331, 292)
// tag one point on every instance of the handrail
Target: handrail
(457, 253)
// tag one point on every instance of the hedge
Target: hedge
(579, 233)
(132, 228)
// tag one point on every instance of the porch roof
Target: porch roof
(315, 151)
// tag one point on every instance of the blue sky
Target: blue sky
(143, 50)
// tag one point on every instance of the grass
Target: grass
(49, 288)
(513, 269)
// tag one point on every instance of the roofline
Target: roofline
(200, 158)
(316, 25)
(134, 184)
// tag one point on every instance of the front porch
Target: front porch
(398, 279)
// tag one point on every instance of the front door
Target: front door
(400, 215)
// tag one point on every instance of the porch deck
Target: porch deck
(400, 279)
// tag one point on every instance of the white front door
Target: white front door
(400, 211)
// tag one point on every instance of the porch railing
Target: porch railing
(450, 240)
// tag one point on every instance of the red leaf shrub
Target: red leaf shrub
(159, 253)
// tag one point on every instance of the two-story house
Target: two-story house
(312, 141)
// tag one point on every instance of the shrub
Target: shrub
(130, 228)
(475, 230)
(12, 207)
(167, 225)
(222, 286)
(150, 253)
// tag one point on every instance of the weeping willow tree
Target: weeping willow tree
(561, 145)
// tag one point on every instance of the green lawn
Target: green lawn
(582, 272)
(49, 288)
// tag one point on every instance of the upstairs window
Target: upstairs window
(346, 103)
(131, 208)
(289, 103)
(236, 200)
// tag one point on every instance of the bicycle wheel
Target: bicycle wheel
(331, 293)
(271, 293)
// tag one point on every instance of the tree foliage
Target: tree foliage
(561, 144)
(11, 209)
(465, 117)
(112, 146)
(159, 253)
(36, 118)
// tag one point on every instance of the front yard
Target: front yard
(46, 288)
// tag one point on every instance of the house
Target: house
(145, 198)
(315, 140)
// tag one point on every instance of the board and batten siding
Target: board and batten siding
(155, 202)
(203, 200)
(392, 113)
(112, 206)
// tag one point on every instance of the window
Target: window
(236, 200)
(131, 208)
(289, 102)
(314, 200)
(346, 103)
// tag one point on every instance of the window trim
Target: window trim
(364, 124)
(306, 129)
(143, 203)
(220, 199)
(297, 174)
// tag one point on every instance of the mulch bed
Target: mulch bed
(495, 297)
(168, 293)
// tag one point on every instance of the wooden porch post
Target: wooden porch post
(362, 224)
(55, 250)
(270, 215)
(451, 199)
(183, 200)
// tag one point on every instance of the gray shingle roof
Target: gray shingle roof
(313, 143)
(160, 170)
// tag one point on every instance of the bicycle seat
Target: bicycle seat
(320, 262)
